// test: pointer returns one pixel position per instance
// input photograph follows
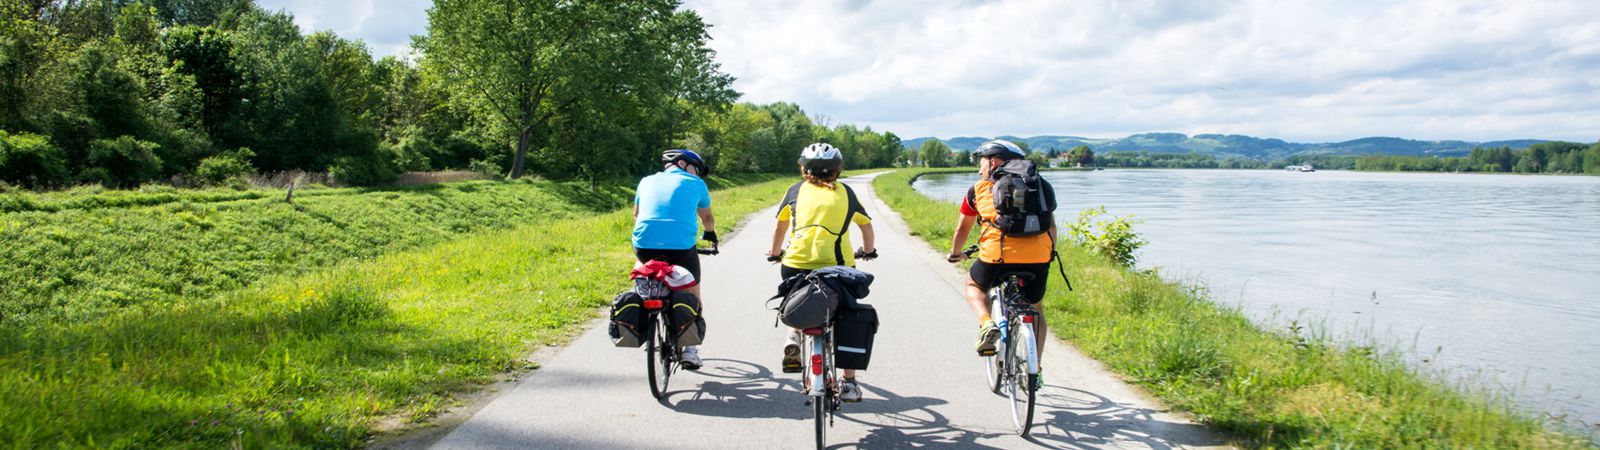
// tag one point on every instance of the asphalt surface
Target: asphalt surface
(925, 388)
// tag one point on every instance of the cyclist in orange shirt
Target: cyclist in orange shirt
(997, 252)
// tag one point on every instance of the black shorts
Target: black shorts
(986, 275)
(786, 271)
(688, 259)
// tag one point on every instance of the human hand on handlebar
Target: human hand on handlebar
(864, 255)
(709, 236)
(774, 256)
(958, 257)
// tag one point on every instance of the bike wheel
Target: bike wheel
(819, 411)
(995, 364)
(658, 358)
(1019, 385)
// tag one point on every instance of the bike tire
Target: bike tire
(819, 411)
(995, 364)
(658, 361)
(1020, 387)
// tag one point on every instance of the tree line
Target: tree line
(1547, 157)
(188, 92)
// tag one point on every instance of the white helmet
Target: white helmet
(821, 159)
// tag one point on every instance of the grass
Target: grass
(317, 359)
(78, 255)
(1267, 389)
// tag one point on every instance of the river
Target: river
(1491, 279)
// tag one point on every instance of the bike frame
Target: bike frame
(1009, 300)
(819, 362)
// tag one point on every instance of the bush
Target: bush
(122, 162)
(31, 161)
(218, 170)
(1113, 239)
(366, 170)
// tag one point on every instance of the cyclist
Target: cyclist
(821, 210)
(998, 253)
(669, 208)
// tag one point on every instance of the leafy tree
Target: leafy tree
(122, 162)
(31, 161)
(935, 153)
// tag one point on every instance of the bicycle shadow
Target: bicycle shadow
(897, 421)
(739, 389)
(1078, 419)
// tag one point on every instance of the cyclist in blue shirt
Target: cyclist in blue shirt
(669, 209)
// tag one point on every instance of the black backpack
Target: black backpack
(1023, 205)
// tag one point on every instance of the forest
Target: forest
(196, 93)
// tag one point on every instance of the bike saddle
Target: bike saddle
(1024, 276)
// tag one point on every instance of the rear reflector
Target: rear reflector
(1027, 319)
(816, 364)
(652, 304)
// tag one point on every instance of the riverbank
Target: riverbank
(1268, 388)
(319, 358)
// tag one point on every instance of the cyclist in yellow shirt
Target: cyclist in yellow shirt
(820, 209)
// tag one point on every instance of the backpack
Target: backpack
(1023, 207)
(627, 320)
(793, 196)
(688, 326)
(810, 300)
(808, 304)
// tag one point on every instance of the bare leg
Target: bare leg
(1039, 330)
(977, 299)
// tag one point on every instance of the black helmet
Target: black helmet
(1002, 149)
(686, 155)
(821, 159)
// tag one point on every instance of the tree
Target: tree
(526, 63)
(935, 153)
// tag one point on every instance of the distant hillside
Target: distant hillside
(1239, 145)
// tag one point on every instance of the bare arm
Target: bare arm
(868, 239)
(707, 220)
(963, 227)
(777, 238)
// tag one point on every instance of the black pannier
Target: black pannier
(808, 304)
(852, 336)
(689, 327)
(627, 320)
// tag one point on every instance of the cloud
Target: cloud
(1315, 70)
(386, 26)
(1333, 70)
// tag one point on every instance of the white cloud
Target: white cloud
(1332, 70)
(1313, 70)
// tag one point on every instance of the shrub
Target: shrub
(122, 162)
(1113, 239)
(31, 161)
(365, 170)
(219, 169)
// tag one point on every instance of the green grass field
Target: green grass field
(315, 356)
(1265, 388)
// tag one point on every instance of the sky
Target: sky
(1301, 70)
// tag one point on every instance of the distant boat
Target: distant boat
(1305, 168)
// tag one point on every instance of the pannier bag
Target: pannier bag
(688, 327)
(808, 304)
(1020, 203)
(852, 336)
(627, 320)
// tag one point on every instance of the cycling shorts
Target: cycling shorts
(987, 274)
(688, 259)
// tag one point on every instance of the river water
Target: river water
(1491, 279)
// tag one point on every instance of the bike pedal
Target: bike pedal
(986, 352)
(792, 369)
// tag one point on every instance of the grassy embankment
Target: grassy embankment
(1271, 389)
(245, 342)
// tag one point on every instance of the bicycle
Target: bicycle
(1014, 367)
(819, 377)
(662, 352)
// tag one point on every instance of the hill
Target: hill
(1240, 145)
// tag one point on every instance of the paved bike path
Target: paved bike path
(925, 387)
